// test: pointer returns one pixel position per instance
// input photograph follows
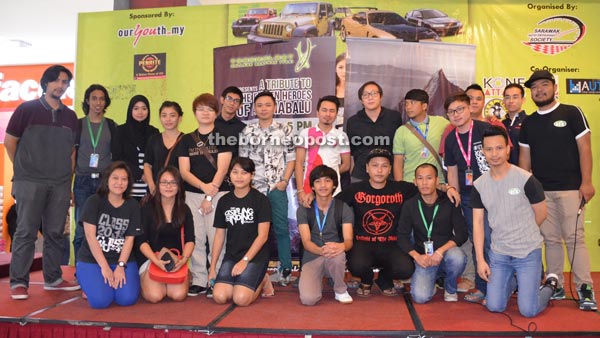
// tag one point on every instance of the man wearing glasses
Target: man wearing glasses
(372, 127)
(227, 122)
(465, 160)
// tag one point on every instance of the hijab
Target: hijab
(139, 131)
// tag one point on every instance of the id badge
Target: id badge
(424, 153)
(469, 177)
(428, 245)
(94, 159)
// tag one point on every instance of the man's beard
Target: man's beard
(543, 103)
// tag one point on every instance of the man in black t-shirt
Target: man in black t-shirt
(556, 146)
(377, 203)
(229, 125)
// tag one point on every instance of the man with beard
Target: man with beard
(40, 141)
(555, 144)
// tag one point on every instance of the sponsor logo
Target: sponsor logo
(303, 56)
(560, 124)
(139, 31)
(583, 86)
(514, 191)
(556, 34)
(149, 66)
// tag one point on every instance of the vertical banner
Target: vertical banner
(298, 73)
(440, 69)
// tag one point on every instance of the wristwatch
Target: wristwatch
(208, 198)
(245, 259)
(122, 264)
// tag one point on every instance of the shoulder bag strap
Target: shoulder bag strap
(172, 148)
(204, 150)
(424, 141)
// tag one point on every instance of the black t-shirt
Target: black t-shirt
(230, 130)
(156, 154)
(241, 216)
(112, 226)
(449, 224)
(363, 134)
(200, 166)
(453, 155)
(514, 129)
(165, 235)
(376, 211)
(552, 140)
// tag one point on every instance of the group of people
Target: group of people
(474, 221)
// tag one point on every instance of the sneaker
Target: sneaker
(551, 282)
(63, 286)
(398, 285)
(285, 277)
(439, 283)
(450, 297)
(559, 294)
(343, 298)
(20, 292)
(587, 301)
(209, 292)
(195, 290)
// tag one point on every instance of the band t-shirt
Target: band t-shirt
(241, 217)
(377, 211)
(113, 224)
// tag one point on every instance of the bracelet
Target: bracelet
(437, 252)
(285, 180)
(448, 187)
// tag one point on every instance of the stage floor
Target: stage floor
(284, 315)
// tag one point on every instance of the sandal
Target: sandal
(364, 290)
(391, 292)
(353, 284)
(475, 297)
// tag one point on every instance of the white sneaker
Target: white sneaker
(450, 297)
(343, 298)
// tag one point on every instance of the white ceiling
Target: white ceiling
(50, 26)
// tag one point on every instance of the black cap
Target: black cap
(539, 75)
(417, 95)
(380, 152)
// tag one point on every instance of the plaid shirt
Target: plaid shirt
(270, 149)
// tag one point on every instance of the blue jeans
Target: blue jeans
(100, 294)
(279, 209)
(531, 299)
(84, 186)
(465, 201)
(423, 280)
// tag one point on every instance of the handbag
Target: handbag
(177, 277)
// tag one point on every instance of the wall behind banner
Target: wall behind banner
(182, 40)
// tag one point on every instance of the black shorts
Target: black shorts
(250, 278)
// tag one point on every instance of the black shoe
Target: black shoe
(439, 283)
(587, 301)
(195, 290)
(209, 293)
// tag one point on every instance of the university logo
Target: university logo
(556, 34)
(303, 56)
(583, 86)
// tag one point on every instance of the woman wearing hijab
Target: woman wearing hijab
(131, 142)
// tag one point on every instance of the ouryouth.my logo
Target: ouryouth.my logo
(556, 34)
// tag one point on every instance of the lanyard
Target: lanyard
(466, 156)
(97, 137)
(416, 125)
(320, 224)
(430, 227)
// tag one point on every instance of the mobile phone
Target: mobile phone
(167, 257)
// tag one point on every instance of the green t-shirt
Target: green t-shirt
(415, 153)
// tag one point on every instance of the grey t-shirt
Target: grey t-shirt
(330, 231)
(508, 202)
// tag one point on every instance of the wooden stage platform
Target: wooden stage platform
(66, 314)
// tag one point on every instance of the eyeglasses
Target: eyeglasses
(168, 183)
(456, 111)
(370, 94)
(231, 99)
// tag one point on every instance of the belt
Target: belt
(95, 175)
